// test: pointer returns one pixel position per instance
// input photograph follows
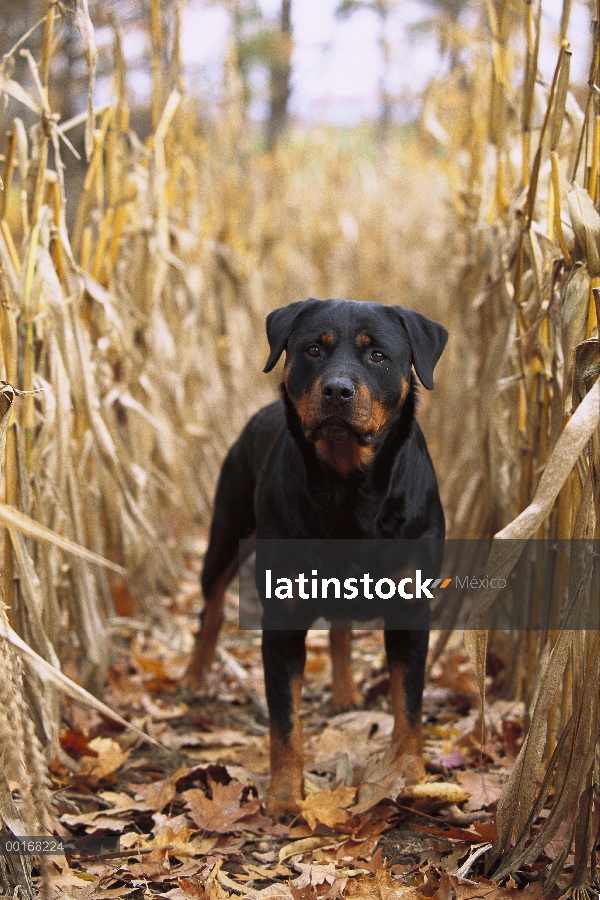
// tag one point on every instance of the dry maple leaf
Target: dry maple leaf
(314, 876)
(177, 842)
(328, 807)
(215, 891)
(222, 814)
(483, 787)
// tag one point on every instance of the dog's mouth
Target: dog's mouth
(337, 429)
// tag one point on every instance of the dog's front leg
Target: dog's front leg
(284, 657)
(406, 656)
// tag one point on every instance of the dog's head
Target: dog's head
(348, 369)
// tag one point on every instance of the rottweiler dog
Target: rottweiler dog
(341, 455)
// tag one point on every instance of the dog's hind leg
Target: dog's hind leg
(344, 692)
(233, 521)
(211, 620)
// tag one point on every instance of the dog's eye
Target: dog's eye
(313, 350)
(377, 356)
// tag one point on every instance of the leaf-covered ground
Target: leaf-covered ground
(190, 817)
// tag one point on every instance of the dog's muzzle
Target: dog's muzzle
(335, 428)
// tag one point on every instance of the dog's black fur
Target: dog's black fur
(341, 455)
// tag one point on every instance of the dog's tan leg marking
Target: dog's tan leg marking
(285, 789)
(206, 640)
(406, 747)
(344, 692)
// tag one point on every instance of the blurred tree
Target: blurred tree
(280, 75)
(253, 42)
(264, 44)
(383, 10)
(444, 22)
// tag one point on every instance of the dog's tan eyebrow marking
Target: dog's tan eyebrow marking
(364, 340)
(328, 338)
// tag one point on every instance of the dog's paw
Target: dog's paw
(412, 768)
(343, 701)
(283, 809)
(197, 684)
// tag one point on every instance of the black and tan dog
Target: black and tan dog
(341, 455)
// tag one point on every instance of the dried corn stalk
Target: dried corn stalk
(526, 453)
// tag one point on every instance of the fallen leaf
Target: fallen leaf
(223, 814)
(381, 887)
(306, 845)
(328, 807)
(160, 793)
(154, 866)
(484, 788)
(313, 875)
(99, 820)
(273, 892)
(191, 887)
(123, 803)
(111, 893)
(442, 791)
(482, 888)
(378, 784)
(75, 743)
(444, 892)
(179, 843)
(359, 734)
(110, 758)
(487, 830)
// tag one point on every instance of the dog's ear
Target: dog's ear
(279, 326)
(427, 341)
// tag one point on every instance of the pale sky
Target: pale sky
(337, 65)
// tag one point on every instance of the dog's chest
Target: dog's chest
(336, 508)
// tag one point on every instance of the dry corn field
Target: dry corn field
(132, 328)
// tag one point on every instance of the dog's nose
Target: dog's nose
(338, 391)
